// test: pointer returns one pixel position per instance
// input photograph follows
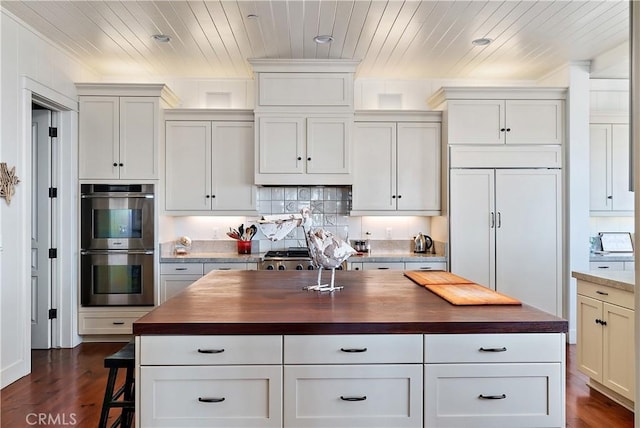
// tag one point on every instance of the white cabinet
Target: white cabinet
(119, 130)
(494, 380)
(303, 149)
(428, 265)
(396, 168)
(609, 169)
(113, 321)
(209, 167)
(353, 381)
(605, 343)
(493, 121)
(505, 232)
(210, 381)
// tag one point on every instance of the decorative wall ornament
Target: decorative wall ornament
(8, 181)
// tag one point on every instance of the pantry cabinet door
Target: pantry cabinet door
(374, 187)
(418, 166)
(232, 166)
(188, 166)
(99, 146)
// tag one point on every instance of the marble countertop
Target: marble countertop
(622, 279)
(257, 258)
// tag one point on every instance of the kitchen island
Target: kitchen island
(252, 348)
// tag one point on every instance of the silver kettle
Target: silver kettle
(422, 243)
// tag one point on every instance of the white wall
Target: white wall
(27, 62)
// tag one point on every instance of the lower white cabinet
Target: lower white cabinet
(99, 321)
(494, 380)
(398, 266)
(353, 396)
(352, 381)
(211, 396)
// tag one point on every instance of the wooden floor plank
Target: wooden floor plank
(69, 383)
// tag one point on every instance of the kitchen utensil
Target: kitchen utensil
(422, 243)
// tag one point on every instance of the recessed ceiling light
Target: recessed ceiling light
(162, 38)
(481, 42)
(322, 39)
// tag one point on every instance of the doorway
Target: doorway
(43, 258)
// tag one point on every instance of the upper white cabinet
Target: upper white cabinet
(209, 163)
(119, 130)
(397, 164)
(609, 169)
(301, 149)
(304, 121)
(502, 116)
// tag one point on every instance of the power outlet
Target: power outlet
(389, 233)
(215, 233)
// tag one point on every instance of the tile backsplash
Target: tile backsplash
(330, 206)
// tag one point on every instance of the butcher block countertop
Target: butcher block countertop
(380, 302)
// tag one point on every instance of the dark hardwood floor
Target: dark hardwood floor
(67, 387)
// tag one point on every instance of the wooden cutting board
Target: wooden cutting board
(464, 293)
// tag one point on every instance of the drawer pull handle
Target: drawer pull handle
(603, 267)
(353, 349)
(603, 293)
(503, 349)
(425, 268)
(224, 268)
(183, 268)
(492, 397)
(343, 398)
(118, 323)
(211, 399)
(601, 322)
(210, 351)
(383, 268)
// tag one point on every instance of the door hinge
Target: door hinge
(53, 132)
(53, 192)
(53, 253)
(53, 314)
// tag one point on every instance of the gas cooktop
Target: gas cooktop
(289, 253)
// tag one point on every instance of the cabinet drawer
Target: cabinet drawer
(353, 396)
(210, 350)
(181, 268)
(425, 265)
(606, 265)
(493, 348)
(248, 396)
(494, 395)
(607, 294)
(382, 265)
(107, 323)
(208, 267)
(353, 349)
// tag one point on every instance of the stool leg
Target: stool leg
(127, 413)
(108, 393)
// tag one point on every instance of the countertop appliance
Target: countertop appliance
(117, 244)
(422, 243)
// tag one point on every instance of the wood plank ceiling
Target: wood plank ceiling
(393, 39)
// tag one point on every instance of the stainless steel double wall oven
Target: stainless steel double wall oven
(117, 243)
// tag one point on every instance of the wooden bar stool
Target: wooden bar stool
(123, 359)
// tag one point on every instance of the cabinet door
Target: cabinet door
(232, 166)
(418, 166)
(281, 145)
(600, 196)
(534, 121)
(188, 166)
(622, 197)
(528, 236)
(374, 186)
(476, 121)
(472, 225)
(170, 285)
(618, 370)
(328, 145)
(589, 340)
(139, 124)
(98, 135)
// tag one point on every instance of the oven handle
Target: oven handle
(99, 252)
(117, 195)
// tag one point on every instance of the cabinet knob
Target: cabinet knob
(393, 196)
(508, 129)
(309, 158)
(115, 164)
(399, 196)
(207, 196)
(502, 129)
(121, 164)
(213, 196)
(299, 157)
(609, 197)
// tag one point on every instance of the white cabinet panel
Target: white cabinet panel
(492, 214)
(209, 167)
(170, 285)
(139, 139)
(98, 136)
(534, 121)
(328, 148)
(476, 121)
(425, 265)
(353, 396)
(207, 396)
(281, 147)
(494, 395)
(397, 168)
(107, 322)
